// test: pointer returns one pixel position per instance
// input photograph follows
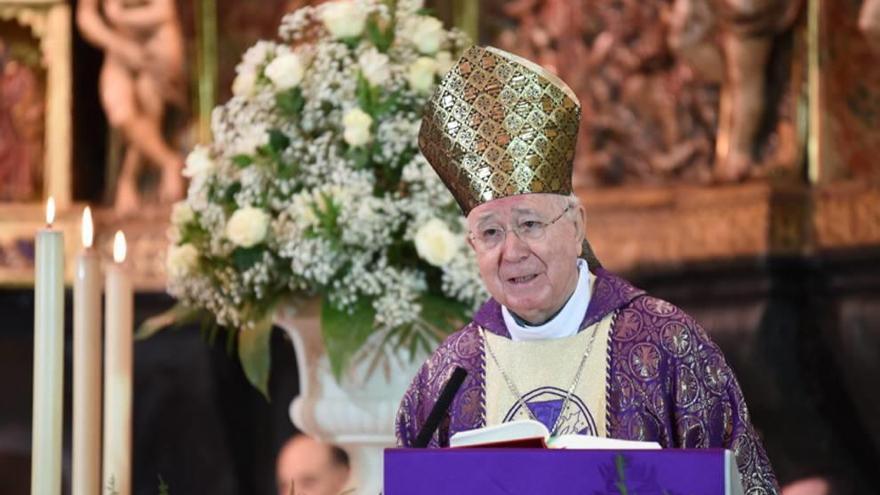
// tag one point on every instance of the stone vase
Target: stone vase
(358, 412)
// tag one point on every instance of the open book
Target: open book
(528, 433)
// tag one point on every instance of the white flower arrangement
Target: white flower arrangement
(314, 185)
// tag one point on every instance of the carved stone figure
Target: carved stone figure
(21, 128)
(142, 73)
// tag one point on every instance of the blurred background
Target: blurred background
(727, 161)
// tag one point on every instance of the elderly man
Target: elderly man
(561, 341)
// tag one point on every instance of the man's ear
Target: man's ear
(471, 243)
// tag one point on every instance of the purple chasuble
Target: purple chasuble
(668, 382)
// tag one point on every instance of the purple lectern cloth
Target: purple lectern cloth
(557, 472)
(668, 382)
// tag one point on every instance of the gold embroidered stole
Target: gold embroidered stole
(543, 371)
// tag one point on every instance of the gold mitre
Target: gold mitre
(499, 125)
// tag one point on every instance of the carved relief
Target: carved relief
(672, 91)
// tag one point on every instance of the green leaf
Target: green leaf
(351, 41)
(382, 39)
(345, 333)
(290, 102)
(364, 94)
(443, 314)
(360, 155)
(179, 314)
(242, 161)
(388, 104)
(228, 199)
(192, 233)
(163, 487)
(254, 353)
(278, 141)
(246, 257)
(287, 170)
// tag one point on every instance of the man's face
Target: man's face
(532, 278)
(309, 466)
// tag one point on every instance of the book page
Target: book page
(598, 443)
(505, 432)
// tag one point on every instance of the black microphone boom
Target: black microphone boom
(440, 407)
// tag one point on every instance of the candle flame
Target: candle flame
(119, 247)
(50, 211)
(88, 230)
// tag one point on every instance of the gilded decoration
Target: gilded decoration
(35, 129)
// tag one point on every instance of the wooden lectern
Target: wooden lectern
(488, 471)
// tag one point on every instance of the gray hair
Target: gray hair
(573, 202)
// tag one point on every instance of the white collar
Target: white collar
(566, 323)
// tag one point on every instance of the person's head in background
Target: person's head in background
(312, 467)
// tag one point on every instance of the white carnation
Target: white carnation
(181, 260)
(435, 243)
(427, 34)
(247, 226)
(182, 214)
(356, 125)
(343, 19)
(198, 162)
(421, 74)
(285, 71)
(374, 65)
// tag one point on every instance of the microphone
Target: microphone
(440, 407)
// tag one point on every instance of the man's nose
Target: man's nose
(514, 248)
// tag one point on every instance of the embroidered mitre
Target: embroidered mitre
(499, 125)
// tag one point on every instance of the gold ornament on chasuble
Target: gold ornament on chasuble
(499, 125)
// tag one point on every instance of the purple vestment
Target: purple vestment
(668, 382)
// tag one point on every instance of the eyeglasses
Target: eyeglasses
(490, 236)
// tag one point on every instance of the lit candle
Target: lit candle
(48, 359)
(87, 365)
(118, 350)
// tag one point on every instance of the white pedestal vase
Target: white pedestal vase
(357, 414)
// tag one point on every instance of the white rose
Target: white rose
(427, 35)
(435, 243)
(444, 62)
(421, 74)
(247, 226)
(343, 19)
(285, 71)
(356, 125)
(198, 162)
(244, 84)
(181, 260)
(182, 214)
(374, 65)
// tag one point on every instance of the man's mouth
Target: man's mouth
(522, 280)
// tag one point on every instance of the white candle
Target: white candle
(48, 359)
(118, 350)
(87, 366)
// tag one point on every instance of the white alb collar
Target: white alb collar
(565, 323)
